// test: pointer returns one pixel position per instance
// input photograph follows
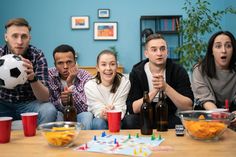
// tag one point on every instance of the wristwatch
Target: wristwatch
(34, 79)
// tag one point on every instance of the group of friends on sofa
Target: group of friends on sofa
(46, 90)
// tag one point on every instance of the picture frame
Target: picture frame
(105, 30)
(80, 22)
(103, 13)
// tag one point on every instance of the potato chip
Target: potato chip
(61, 136)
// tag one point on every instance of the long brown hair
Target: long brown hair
(208, 63)
(117, 79)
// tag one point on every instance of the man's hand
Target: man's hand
(72, 74)
(29, 68)
(159, 82)
(65, 95)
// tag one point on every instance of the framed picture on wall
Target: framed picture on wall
(105, 30)
(103, 13)
(80, 22)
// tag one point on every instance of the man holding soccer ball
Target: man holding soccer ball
(33, 95)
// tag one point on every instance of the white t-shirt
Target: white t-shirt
(149, 78)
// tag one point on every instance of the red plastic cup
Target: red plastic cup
(114, 119)
(29, 121)
(5, 129)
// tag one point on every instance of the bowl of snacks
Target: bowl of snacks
(205, 125)
(61, 134)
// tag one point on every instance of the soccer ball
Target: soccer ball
(12, 71)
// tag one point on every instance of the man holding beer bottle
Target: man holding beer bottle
(65, 81)
(155, 74)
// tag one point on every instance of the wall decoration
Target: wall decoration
(105, 30)
(80, 22)
(103, 13)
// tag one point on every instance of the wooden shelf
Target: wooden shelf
(167, 26)
(92, 69)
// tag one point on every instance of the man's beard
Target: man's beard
(10, 48)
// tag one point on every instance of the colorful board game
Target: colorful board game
(122, 144)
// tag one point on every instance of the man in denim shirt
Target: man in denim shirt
(65, 79)
(33, 96)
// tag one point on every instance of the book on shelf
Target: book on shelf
(169, 24)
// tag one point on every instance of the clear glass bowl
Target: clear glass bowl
(205, 125)
(61, 134)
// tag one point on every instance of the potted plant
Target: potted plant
(113, 49)
(200, 21)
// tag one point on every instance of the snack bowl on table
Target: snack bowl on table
(61, 134)
(205, 125)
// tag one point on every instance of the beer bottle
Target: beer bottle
(161, 113)
(70, 113)
(146, 115)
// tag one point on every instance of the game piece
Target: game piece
(81, 148)
(103, 134)
(95, 138)
(159, 137)
(153, 137)
(129, 136)
(117, 144)
(135, 153)
(137, 135)
(145, 154)
(179, 130)
(86, 146)
(140, 150)
(115, 141)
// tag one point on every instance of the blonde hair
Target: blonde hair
(17, 22)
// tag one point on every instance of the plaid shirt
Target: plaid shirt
(22, 93)
(56, 87)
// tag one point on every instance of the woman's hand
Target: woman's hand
(103, 113)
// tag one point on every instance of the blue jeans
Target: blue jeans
(99, 124)
(46, 111)
(84, 117)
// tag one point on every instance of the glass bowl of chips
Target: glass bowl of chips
(205, 125)
(61, 134)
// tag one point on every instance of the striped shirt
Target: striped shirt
(22, 93)
(78, 94)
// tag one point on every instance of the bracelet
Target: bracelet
(34, 79)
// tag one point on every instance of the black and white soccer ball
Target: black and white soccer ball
(12, 71)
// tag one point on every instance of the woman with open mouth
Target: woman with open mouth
(108, 90)
(214, 78)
